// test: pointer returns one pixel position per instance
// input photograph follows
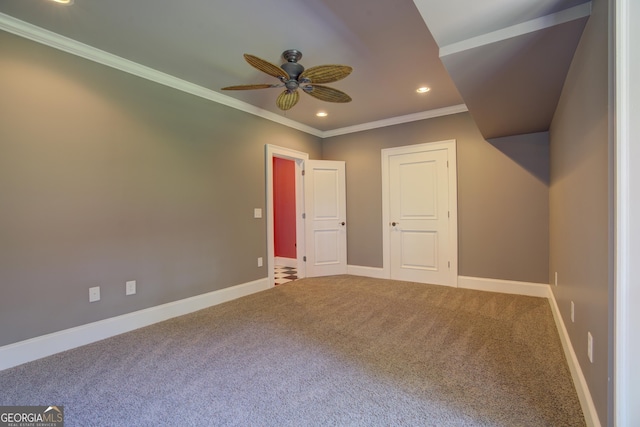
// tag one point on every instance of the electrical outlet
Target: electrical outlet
(590, 346)
(259, 261)
(556, 278)
(257, 213)
(130, 287)
(94, 294)
(573, 312)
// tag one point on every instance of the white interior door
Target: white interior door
(326, 216)
(420, 229)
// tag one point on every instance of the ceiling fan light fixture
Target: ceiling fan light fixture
(322, 114)
(423, 89)
(64, 2)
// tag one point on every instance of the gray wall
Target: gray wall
(580, 200)
(106, 177)
(502, 196)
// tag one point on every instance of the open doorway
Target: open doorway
(284, 221)
(285, 206)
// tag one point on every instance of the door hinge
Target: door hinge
(304, 216)
(449, 264)
(304, 258)
(302, 172)
(448, 214)
(447, 163)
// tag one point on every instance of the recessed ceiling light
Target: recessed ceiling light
(423, 89)
(321, 114)
(67, 2)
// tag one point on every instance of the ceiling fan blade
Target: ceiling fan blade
(326, 73)
(249, 87)
(286, 100)
(266, 67)
(328, 94)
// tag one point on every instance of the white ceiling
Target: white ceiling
(387, 42)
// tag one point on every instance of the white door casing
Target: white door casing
(325, 223)
(419, 213)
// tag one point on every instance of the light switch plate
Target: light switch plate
(130, 287)
(257, 213)
(94, 294)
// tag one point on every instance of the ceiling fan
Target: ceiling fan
(293, 76)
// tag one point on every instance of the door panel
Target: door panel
(326, 193)
(419, 250)
(325, 209)
(327, 248)
(417, 204)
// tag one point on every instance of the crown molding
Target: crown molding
(429, 114)
(49, 38)
(57, 41)
(564, 16)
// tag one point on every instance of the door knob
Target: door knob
(393, 224)
(342, 223)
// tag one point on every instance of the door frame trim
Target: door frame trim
(299, 159)
(386, 153)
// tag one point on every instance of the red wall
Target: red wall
(284, 208)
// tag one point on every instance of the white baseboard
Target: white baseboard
(376, 273)
(579, 381)
(478, 283)
(286, 262)
(505, 286)
(46, 345)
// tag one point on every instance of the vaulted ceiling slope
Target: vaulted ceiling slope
(508, 59)
(510, 83)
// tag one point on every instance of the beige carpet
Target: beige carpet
(339, 351)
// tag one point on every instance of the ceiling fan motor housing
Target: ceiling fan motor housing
(293, 69)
